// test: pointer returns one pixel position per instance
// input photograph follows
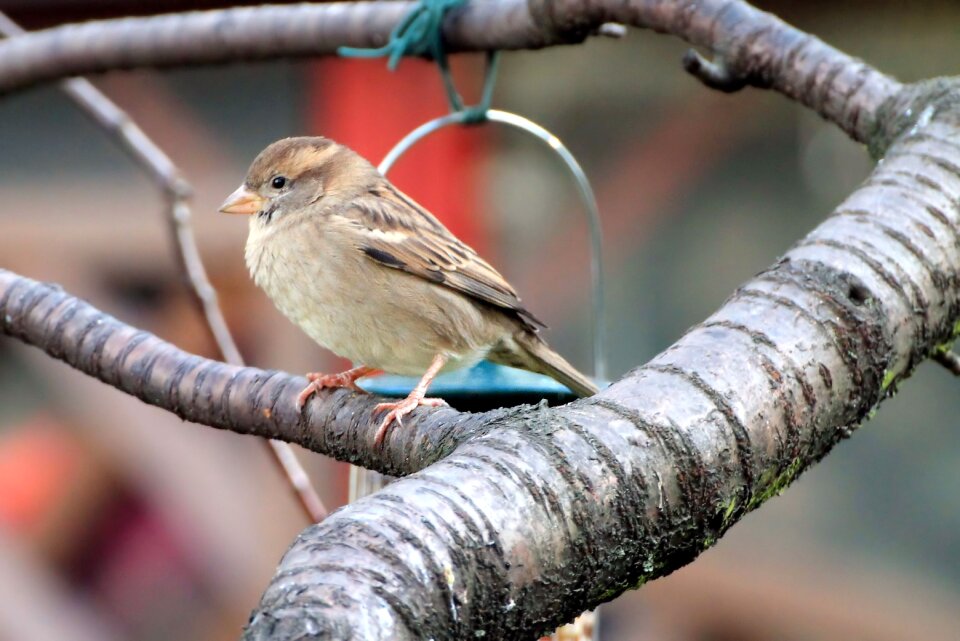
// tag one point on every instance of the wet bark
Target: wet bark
(529, 516)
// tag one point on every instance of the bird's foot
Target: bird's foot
(346, 379)
(399, 409)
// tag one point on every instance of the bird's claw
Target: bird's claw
(305, 395)
(399, 409)
(319, 381)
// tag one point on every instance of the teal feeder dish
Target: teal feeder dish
(485, 386)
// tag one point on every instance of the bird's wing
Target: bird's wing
(396, 232)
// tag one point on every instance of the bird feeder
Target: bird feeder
(489, 386)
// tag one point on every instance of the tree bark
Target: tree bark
(529, 516)
(751, 47)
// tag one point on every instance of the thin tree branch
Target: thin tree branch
(751, 47)
(117, 124)
(245, 400)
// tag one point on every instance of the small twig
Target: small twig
(161, 169)
(950, 360)
(612, 30)
(715, 74)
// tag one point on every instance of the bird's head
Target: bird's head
(292, 174)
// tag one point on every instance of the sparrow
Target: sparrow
(375, 278)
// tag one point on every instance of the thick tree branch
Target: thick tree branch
(751, 47)
(547, 514)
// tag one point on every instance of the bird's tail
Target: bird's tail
(528, 351)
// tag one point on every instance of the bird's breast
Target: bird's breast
(363, 311)
(303, 275)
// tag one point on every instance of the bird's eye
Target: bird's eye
(278, 182)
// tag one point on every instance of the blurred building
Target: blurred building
(118, 521)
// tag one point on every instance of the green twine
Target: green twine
(419, 34)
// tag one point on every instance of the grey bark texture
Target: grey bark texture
(520, 519)
(750, 47)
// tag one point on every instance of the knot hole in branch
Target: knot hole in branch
(858, 294)
(559, 25)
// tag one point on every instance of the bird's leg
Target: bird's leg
(343, 379)
(399, 409)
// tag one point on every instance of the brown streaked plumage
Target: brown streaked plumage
(371, 275)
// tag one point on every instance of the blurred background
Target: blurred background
(118, 521)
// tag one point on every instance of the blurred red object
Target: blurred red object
(38, 461)
(372, 108)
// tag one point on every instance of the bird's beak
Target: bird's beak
(242, 201)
